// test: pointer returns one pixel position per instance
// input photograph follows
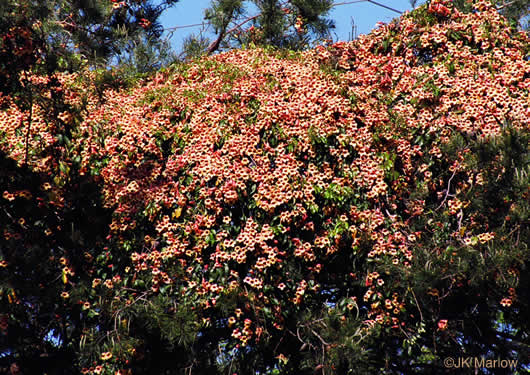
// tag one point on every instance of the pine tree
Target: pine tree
(293, 24)
(62, 35)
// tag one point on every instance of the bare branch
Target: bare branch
(447, 191)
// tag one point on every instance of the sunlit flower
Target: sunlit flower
(9, 196)
(485, 237)
(108, 284)
(106, 356)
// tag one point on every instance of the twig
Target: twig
(119, 311)
(505, 5)
(461, 216)
(321, 339)
(447, 191)
(405, 332)
(417, 304)
(215, 44)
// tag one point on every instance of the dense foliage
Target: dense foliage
(361, 208)
(66, 35)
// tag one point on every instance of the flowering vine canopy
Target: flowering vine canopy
(270, 211)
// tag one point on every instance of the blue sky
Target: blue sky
(364, 14)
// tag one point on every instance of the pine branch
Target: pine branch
(215, 44)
